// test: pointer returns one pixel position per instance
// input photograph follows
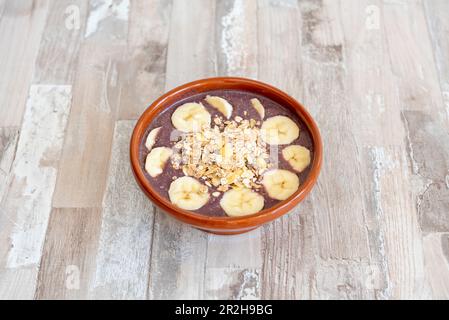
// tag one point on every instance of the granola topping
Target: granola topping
(227, 154)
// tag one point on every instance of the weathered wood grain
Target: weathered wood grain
(8, 147)
(21, 26)
(179, 252)
(68, 257)
(381, 137)
(438, 24)
(59, 46)
(191, 48)
(26, 207)
(424, 118)
(234, 264)
(2, 7)
(96, 94)
(143, 72)
(233, 267)
(373, 73)
(424, 131)
(357, 253)
(368, 98)
(97, 90)
(436, 252)
(418, 89)
(107, 21)
(123, 258)
(236, 38)
(178, 258)
(278, 48)
(339, 223)
(400, 250)
(438, 187)
(332, 264)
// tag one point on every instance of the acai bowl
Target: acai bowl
(226, 155)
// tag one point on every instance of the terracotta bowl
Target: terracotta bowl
(225, 225)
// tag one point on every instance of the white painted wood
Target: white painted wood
(233, 266)
(236, 38)
(106, 16)
(26, 208)
(401, 249)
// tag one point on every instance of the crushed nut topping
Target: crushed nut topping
(229, 154)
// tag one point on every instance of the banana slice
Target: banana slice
(221, 105)
(151, 139)
(156, 160)
(241, 202)
(280, 184)
(259, 107)
(190, 117)
(297, 156)
(188, 193)
(279, 130)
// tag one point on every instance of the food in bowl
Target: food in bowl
(226, 153)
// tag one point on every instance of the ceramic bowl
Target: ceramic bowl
(225, 225)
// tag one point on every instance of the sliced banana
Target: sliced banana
(279, 130)
(188, 193)
(280, 184)
(297, 156)
(151, 139)
(156, 160)
(241, 202)
(221, 105)
(190, 117)
(259, 107)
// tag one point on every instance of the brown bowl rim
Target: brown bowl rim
(213, 222)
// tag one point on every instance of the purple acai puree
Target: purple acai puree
(240, 100)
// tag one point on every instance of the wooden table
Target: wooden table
(74, 77)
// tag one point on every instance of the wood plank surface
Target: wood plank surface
(143, 70)
(233, 264)
(21, 28)
(384, 151)
(66, 270)
(126, 229)
(75, 75)
(59, 47)
(8, 148)
(438, 26)
(26, 204)
(178, 253)
(87, 146)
